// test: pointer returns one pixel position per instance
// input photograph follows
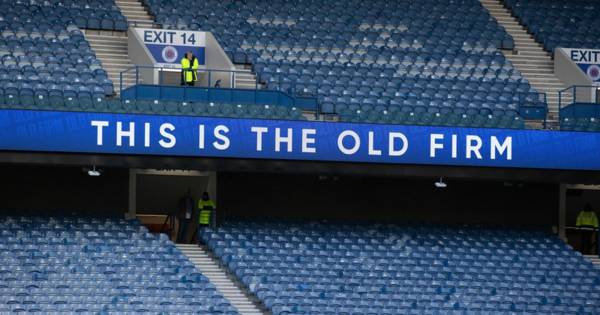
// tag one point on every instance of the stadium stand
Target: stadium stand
(154, 107)
(364, 58)
(308, 268)
(569, 24)
(43, 52)
(73, 265)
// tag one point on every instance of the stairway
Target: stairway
(595, 260)
(534, 63)
(245, 78)
(111, 50)
(135, 13)
(226, 284)
(111, 47)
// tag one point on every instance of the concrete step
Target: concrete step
(140, 17)
(210, 268)
(109, 46)
(109, 55)
(97, 40)
(132, 8)
(107, 39)
(125, 62)
(111, 37)
(143, 23)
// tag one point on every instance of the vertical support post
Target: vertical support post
(137, 79)
(545, 109)
(598, 242)
(559, 100)
(160, 82)
(132, 195)
(562, 211)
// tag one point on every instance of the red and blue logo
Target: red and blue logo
(169, 54)
(593, 72)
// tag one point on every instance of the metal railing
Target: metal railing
(207, 78)
(595, 243)
(578, 94)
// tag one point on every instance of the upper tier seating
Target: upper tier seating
(314, 268)
(97, 266)
(88, 14)
(568, 24)
(367, 55)
(42, 48)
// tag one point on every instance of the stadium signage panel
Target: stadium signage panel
(588, 60)
(82, 132)
(169, 46)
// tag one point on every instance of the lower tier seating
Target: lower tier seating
(318, 268)
(434, 117)
(590, 124)
(403, 116)
(51, 265)
(154, 107)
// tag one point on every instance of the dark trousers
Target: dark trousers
(201, 228)
(184, 82)
(183, 226)
(587, 242)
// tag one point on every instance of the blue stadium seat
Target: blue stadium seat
(331, 268)
(557, 24)
(98, 279)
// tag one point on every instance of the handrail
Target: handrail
(211, 80)
(213, 77)
(574, 96)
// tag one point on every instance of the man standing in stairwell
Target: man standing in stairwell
(588, 221)
(206, 218)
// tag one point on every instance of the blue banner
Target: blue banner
(76, 132)
(172, 55)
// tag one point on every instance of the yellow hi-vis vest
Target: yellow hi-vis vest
(587, 218)
(206, 208)
(190, 72)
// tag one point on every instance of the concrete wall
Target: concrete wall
(570, 74)
(140, 56)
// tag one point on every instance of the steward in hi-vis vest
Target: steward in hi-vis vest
(588, 221)
(587, 218)
(206, 208)
(189, 69)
